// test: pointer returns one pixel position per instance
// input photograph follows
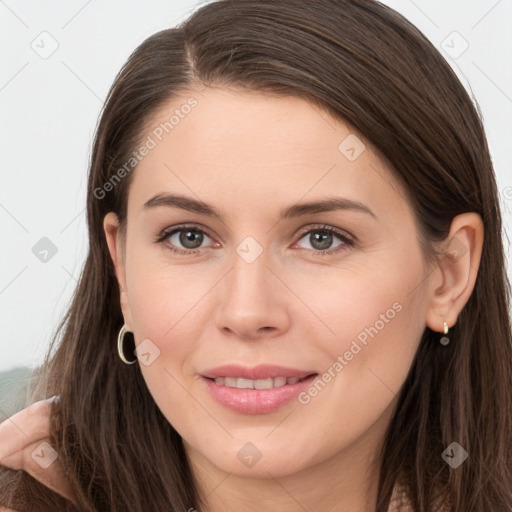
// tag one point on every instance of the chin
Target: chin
(246, 460)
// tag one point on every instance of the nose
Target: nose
(252, 300)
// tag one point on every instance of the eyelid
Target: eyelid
(181, 227)
(327, 227)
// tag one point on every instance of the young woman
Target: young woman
(293, 218)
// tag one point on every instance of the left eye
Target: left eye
(321, 239)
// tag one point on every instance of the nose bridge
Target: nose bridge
(249, 275)
(251, 301)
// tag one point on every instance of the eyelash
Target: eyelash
(347, 242)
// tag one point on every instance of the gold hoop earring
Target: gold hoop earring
(120, 341)
(445, 340)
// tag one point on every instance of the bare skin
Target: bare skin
(23, 435)
(251, 156)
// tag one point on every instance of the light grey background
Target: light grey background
(49, 105)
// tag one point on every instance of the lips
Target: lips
(260, 372)
(257, 390)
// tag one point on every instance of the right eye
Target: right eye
(190, 237)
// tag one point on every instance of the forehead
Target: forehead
(226, 143)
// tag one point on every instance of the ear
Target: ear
(453, 278)
(116, 247)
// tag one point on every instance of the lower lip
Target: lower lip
(256, 401)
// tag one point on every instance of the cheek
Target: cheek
(163, 305)
(169, 306)
(374, 316)
(367, 306)
(372, 321)
(365, 366)
(164, 297)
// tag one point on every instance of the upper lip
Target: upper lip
(262, 371)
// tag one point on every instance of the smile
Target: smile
(256, 396)
(241, 383)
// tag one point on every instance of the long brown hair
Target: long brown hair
(366, 65)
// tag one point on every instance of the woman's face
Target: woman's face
(262, 283)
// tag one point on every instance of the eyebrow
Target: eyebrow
(296, 210)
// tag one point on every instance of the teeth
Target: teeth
(241, 383)
(244, 383)
(279, 381)
(230, 381)
(263, 383)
